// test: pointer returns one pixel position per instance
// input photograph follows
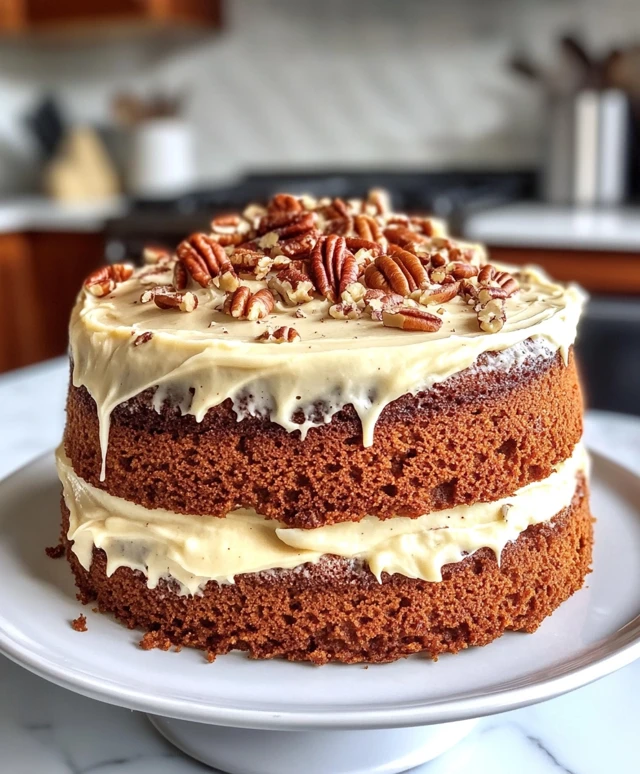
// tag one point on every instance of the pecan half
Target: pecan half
(403, 236)
(282, 335)
(287, 223)
(366, 227)
(339, 219)
(431, 227)
(332, 267)
(356, 243)
(401, 272)
(293, 286)
(245, 305)
(180, 276)
(285, 202)
(104, 280)
(501, 284)
(460, 270)
(410, 319)
(207, 262)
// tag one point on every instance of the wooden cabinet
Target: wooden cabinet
(605, 271)
(40, 275)
(27, 16)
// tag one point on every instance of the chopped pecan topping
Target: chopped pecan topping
(230, 225)
(437, 260)
(168, 298)
(300, 246)
(282, 335)
(152, 254)
(142, 338)
(431, 227)
(345, 311)
(207, 262)
(437, 295)
(339, 219)
(381, 300)
(253, 213)
(293, 285)
(491, 315)
(378, 202)
(225, 240)
(354, 294)
(251, 263)
(333, 267)
(104, 280)
(401, 272)
(411, 319)
(245, 305)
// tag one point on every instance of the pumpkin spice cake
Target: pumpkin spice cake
(328, 432)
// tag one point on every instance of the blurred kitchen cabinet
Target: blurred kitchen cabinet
(20, 318)
(40, 275)
(598, 271)
(27, 16)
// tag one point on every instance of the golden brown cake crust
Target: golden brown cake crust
(337, 611)
(478, 436)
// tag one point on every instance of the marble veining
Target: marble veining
(48, 730)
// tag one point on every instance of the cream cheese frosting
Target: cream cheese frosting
(193, 550)
(204, 357)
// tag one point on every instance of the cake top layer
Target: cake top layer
(305, 302)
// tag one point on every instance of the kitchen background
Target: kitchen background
(128, 121)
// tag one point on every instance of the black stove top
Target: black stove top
(450, 195)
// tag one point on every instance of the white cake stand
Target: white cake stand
(273, 717)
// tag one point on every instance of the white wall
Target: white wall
(304, 82)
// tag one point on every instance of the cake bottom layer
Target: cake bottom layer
(336, 610)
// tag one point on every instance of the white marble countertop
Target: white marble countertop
(37, 213)
(536, 225)
(47, 730)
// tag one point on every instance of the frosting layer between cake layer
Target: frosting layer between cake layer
(193, 550)
(202, 358)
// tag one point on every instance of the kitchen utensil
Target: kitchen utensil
(162, 158)
(47, 125)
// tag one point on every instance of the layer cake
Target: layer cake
(325, 431)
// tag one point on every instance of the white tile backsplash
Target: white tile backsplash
(305, 83)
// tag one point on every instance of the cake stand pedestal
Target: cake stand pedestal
(277, 717)
(243, 751)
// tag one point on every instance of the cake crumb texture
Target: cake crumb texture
(478, 436)
(79, 624)
(55, 552)
(336, 610)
